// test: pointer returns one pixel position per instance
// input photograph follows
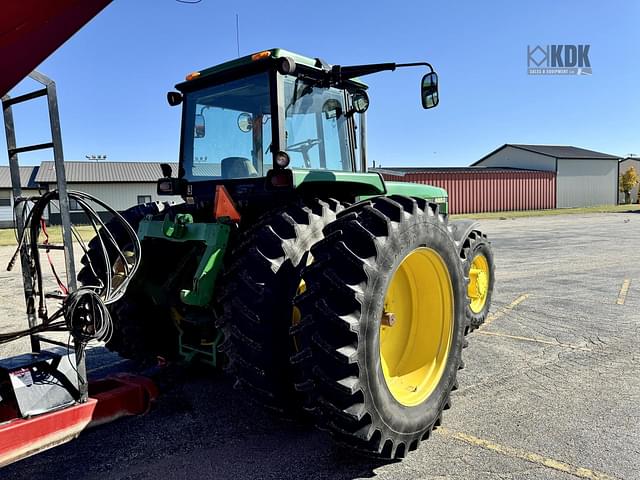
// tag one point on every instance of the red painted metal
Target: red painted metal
(21, 438)
(121, 395)
(111, 398)
(31, 30)
(479, 190)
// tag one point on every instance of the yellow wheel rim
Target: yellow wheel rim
(296, 315)
(478, 283)
(416, 327)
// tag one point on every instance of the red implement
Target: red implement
(110, 398)
(31, 30)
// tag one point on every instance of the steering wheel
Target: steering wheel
(304, 146)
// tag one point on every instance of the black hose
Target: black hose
(83, 312)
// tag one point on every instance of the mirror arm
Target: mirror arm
(416, 64)
(339, 74)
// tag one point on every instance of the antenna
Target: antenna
(238, 34)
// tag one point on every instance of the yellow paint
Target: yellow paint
(502, 311)
(296, 314)
(623, 291)
(531, 457)
(478, 288)
(536, 340)
(414, 350)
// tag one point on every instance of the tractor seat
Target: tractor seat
(237, 167)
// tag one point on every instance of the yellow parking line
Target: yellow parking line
(536, 340)
(623, 291)
(502, 311)
(531, 457)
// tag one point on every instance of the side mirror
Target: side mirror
(199, 130)
(429, 90)
(174, 98)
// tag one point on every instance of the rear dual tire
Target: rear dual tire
(382, 400)
(260, 282)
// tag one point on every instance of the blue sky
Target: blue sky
(113, 75)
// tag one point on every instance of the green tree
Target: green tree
(628, 180)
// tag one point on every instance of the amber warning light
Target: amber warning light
(261, 55)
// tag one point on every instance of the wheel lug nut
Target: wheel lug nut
(388, 319)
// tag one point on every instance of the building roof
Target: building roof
(104, 172)
(556, 151)
(400, 171)
(27, 177)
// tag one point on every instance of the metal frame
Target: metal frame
(215, 236)
(363, 142)
(278, 114)
(13, 151)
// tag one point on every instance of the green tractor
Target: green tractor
(321, 287)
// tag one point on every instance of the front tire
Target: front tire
(383, 325)
(479, 268)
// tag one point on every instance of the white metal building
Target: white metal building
(583, 177)
(27, 175)
(119, 184)
(625, 165)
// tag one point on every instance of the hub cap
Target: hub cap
(478, 283)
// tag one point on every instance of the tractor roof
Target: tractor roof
(274, 53)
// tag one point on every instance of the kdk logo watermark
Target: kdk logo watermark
(558, 60)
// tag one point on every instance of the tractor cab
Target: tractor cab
(275, 121)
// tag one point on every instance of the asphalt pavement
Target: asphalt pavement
(551, 388)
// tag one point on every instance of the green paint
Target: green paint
(176, 229)
(213, 235)
(416, 190)
(363, 183)
(429, 192)
(205, 353)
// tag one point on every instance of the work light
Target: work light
(282, 159)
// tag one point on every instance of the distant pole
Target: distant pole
(238, 34)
